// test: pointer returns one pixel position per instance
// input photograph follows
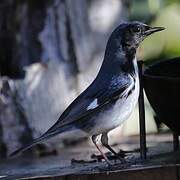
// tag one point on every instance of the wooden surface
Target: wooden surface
(162, 163)
(165, 173)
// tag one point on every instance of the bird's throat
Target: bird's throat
(129, 62)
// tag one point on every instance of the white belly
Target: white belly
(121, 111)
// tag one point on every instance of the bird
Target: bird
(110, 98)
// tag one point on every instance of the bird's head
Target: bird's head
(122, 45)
(130, 35)
(134, 33)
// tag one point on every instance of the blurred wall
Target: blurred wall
(50, 52)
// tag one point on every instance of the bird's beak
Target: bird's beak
(151, 30)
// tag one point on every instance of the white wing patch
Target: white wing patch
(93, 104)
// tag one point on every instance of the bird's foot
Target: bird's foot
(121, 154)
(74, 161)
(110, 156)
(100, 158)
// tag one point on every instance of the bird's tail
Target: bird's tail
(28, 146)
(45, 136)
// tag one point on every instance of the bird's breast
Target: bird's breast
(119, 111)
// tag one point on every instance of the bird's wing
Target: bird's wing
(90, 101)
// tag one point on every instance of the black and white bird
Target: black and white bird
(111, 97)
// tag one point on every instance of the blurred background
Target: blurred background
(50, 51)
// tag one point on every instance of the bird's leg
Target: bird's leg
(104, 141)
(95, 140)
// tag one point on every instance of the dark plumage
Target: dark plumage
(111, 97)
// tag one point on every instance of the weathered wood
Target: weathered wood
(165, 173)
(160, 166)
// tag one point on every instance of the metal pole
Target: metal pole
(175, 141)
(142, 116)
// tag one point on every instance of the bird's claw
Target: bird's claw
(110, 156)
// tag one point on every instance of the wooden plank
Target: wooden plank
(161, 165)
(164, 173)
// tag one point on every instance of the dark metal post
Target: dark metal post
(175, 141)
(142, 116)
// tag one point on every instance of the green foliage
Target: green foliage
(166, 43)
(164, 13)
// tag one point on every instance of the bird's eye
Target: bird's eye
(136, 29)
